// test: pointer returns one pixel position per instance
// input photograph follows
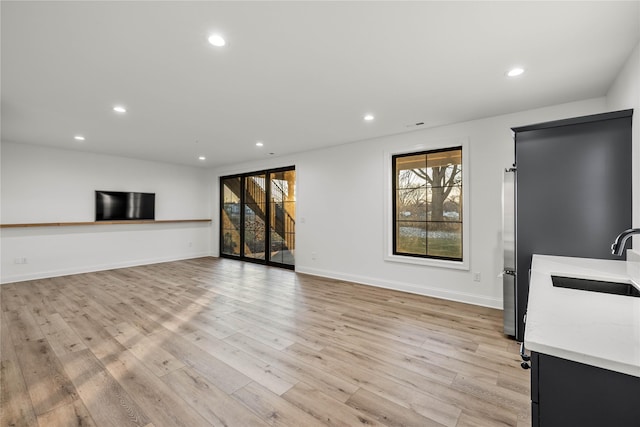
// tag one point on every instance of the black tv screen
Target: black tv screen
(117, 205)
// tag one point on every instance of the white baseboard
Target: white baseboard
(407, 287)
(99, 267)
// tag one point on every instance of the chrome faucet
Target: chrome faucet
(618, 246)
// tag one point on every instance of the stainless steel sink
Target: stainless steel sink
(615, 288)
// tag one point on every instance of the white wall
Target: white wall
(40, 184)
(340, 206)
(624, 94)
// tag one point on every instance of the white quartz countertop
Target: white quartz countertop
(588, 327)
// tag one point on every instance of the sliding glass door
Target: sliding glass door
(282, 224)
(258, 217)
(255, 207)
(230, 208)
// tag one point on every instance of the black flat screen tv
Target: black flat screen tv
(119, 206)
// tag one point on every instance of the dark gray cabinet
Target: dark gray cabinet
(573, 188)
(567, 393)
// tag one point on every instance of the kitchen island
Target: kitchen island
(585, 345)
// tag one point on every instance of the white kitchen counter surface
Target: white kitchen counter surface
(588, 327)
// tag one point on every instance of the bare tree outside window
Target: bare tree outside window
(428, 204)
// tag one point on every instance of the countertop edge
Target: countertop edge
(545, 311)
(623, 368)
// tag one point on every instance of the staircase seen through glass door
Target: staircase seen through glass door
(258, 217)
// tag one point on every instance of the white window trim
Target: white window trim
(388, 205)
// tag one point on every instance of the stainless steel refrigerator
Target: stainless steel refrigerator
(568, 193)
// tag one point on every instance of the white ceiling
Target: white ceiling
(296, 75)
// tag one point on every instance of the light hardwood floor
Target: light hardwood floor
(220, 342)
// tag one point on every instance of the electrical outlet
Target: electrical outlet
(314, 255)
(19, 260)
(476, 276)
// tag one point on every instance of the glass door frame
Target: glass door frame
(243, 176)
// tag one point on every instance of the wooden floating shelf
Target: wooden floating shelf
(75, 224)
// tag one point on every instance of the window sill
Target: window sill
(428, 262)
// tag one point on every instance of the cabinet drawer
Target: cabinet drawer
(575, 394)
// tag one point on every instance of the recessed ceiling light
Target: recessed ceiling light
(119, 109)
(217, 40)
(79, 138)
(369, 117)
(259, 144)
(202, 158)
(514, 72)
